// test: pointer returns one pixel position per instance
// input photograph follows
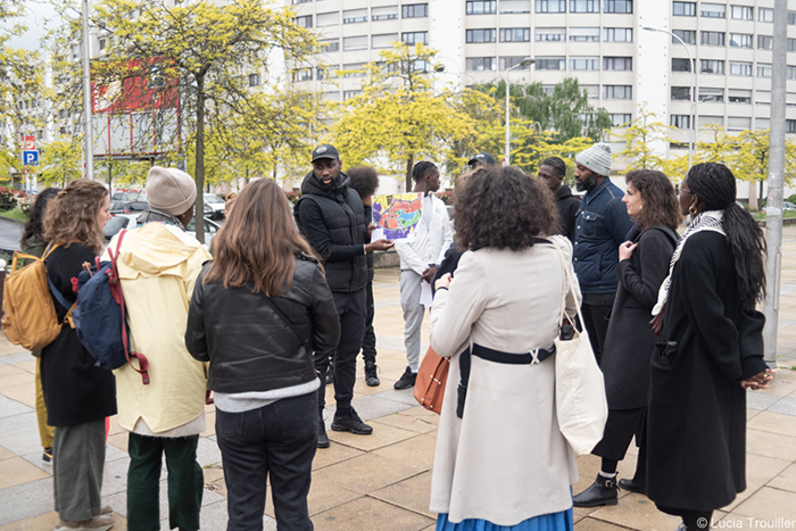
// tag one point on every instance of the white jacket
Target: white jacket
(428, 244)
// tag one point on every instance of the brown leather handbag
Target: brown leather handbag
(431, 378)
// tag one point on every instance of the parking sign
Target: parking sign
(30, 158)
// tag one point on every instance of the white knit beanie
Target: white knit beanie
(170, 190)
(597, 158)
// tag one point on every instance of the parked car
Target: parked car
(129, 195)
(129, 221)
(788, 206)
(128, 207)
(217, 206)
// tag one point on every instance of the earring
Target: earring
(692, 210)
(640, 207)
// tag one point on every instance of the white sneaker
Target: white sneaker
(98, 523)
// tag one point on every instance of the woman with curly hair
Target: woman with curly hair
(709, 353)
(78, 394)
(643, 264)
(501, 460)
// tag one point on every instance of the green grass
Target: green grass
(786, 214)
(15, 213)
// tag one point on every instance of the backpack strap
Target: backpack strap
(57, 294)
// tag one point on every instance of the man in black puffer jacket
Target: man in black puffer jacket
(332, 218)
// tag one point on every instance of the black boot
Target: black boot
(602, 492)
(370, 374)
(323, 439)
(628, 485)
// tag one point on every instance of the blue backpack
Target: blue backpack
(100, 319)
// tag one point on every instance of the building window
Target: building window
(739, 96)
(294, 1)
(254, 80)
(480, 35)
(712, 10)
(384, 13)
(330, 46)
(360, 42)
(740, 69)
(302, 74)
(711, 66)
(323, 73)
(508, 7)
(481, 7)
(792, 18)
(584, 34)
(618, 6)
(792, 45)
(102, 42)
(764, 42)
(684, 9)
(791, 72)
(680, 121)
(688, 36)
(680, 65)
(763, 70)
(618, 34)
(765, 14)
(327, 19)
(740, 40)
(617, 63)
(354, 69)
(592, 91)
(681, 93)
(481, 64)
(304, 22)
(617, 92)
(519, 35)
(507, 62)
(742, 12)
(348, 94)
(355, 16)
(584, 6)
(550, 63)
(414, 37)
(384, 40)
(738, 123)
(414, 11)
(584, 63)
(618, 120)
(551, 6)
(715, 95)
(712, 38)
(790, 126)
(550, 34)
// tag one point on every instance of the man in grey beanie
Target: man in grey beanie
(602, 225)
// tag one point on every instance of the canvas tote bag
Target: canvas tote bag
(581, 404)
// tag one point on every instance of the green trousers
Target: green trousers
(185, 482)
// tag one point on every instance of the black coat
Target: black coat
(75, 390)
(567, 211)
(249, 346)
(629, 340)
(696, 416)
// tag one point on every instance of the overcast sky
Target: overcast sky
(36, 19)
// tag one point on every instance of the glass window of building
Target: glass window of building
(688, 36)
(413, 37)
(684, 9)
(360, 42)
(547, 34)
(617, 92)
(705, 121)
(739, 68)
(712, 10)
(383, 40)
(504, 63)
(480, 64)
(348, 94)
(742, 12)
(584, 34)
(302, 74)
(414, 11)
(762, 97)
(711, 66)
(739, 40)
(790, 126)
(617, 63)
(330, 46)
(254, 80)
(480, 35)
(333, 95)
(765, 42)
(384, 13)
(592, 91)
(551, 6)
(618, 120)
(762, 123)
(584, 6)
(712, 38)
(680, 121)
(681, 65)
(517, 35)
(716, 95)
(618, 34)
(323, 73)
(791, 45)
(790, 99)
(550, 63)
(792, 18)
(765, 14)
(763, 70)
(617, 6)
(355, 16)
(327, 19)
(790, 72)
(515, 6)
(304, 22)
(739, 96)
(355, 69)
(738, 123)
(481, 7)
(584, 63)
(681, 93)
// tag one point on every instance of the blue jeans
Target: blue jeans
(277, 440)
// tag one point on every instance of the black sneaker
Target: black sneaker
(370, 374)
(407, 380)
(323, 439)
(47, 456)
(352, 423)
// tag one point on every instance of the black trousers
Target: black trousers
(595, 309)
(369, 341)
(277, 443)
(621, 426)
(351, 309)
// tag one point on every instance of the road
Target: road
(10, 233)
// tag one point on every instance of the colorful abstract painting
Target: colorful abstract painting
(397, 215)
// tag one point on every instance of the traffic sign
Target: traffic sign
(29, 141)
(30, 158)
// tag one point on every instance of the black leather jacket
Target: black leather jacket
(248, 345)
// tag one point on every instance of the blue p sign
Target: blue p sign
(30, 158)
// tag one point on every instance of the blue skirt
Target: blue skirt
(546, 522)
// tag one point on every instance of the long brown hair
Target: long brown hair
(660, 201)
(72, 215)
(258, 242)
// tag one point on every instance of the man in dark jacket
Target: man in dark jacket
(551, 173)
(332, 218)
(602, 225)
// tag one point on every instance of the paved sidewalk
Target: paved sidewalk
(382, 482)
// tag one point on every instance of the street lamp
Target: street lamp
(525, 62)
(692, 66)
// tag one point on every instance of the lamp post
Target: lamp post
(692, 66)
(525, 62)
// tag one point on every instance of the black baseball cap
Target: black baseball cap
(325, 151)
(484, 158)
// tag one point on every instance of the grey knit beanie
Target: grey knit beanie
(170, 190)
(597, 158)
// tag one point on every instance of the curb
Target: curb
(17, 221)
